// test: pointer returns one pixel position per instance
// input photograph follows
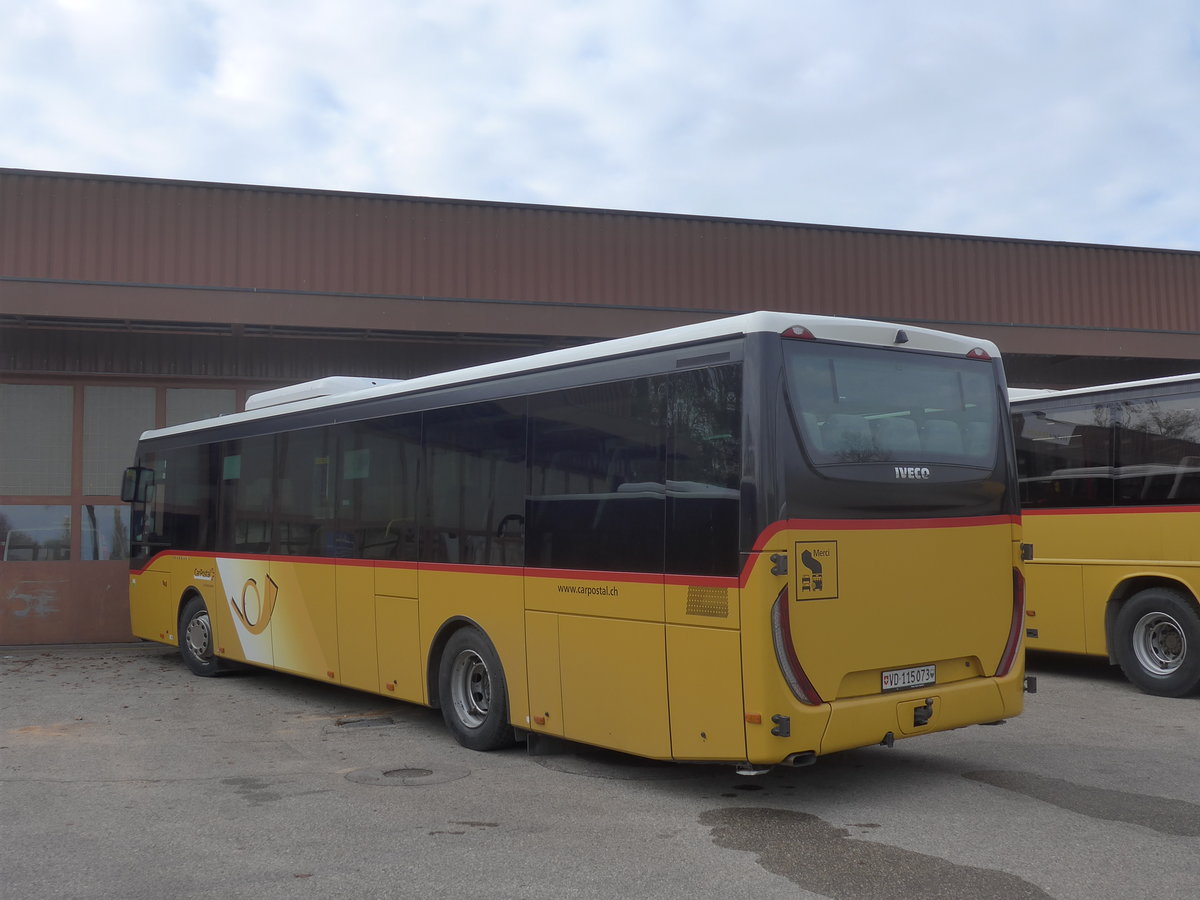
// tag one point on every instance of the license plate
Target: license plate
(903, 679)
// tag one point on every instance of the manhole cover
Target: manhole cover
(408, 773)
(406, 776)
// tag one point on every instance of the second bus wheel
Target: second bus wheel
(196, 638)
(473, 692)
(1157, 642)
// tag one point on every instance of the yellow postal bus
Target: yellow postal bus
(1110, 485)
(753, 540)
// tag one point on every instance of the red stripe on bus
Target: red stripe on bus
(1110, 510)
(464, 568)
(774, 529)
(470, 569)
(264, 557)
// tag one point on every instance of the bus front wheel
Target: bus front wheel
(196, 638)
(1157, 633)
(473, 693)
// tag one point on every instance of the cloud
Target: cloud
(1058, 121)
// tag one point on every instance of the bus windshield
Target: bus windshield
(872, 405)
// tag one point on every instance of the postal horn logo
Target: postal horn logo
(256, 607)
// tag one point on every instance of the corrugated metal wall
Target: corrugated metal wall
(99, 229)
(263, 357)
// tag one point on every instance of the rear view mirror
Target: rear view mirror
(137, 485)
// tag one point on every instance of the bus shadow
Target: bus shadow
(1071, 665)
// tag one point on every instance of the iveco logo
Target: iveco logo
(913, 472)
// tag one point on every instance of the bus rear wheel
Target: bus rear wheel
(196, 639)
(1157, 635)
(473, 692)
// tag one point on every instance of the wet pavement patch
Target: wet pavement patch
(472, 825)
(255, 791)
(1162, 814)
(598, 763)
(822, 858)
(347, 724)
(406, 776)
(364, 721)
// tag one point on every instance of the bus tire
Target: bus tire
(196, 639)
(473, 692)
(1157, 635)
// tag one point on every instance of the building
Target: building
(127, 303)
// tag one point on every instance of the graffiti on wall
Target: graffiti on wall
(38, 599)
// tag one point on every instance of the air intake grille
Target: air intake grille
(702, 601)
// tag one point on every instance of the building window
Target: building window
(35, 533)
(113, 420)
(104, 532)
(193, 404)
(35, 442)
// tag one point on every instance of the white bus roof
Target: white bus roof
(1015, 394)
(315, 395)
(1018, 395)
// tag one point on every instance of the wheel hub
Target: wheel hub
(471, 688)
(199, 637)
(1159, 643)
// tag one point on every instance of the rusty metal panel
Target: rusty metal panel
(64, 602)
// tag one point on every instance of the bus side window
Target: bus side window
(704, 471)
(596, 498)
(1065, 456)
(475, 486)
(1158, 449)
(1185, 486)
(244, 504)
(188, 499)
(304, 494)
(377, 487)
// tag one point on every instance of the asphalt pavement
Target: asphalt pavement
(123, 775)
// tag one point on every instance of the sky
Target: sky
(1058, 120)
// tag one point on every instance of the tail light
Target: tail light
(1014, 629)
(785, 652)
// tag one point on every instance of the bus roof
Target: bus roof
(329, 392)
(1026, 395)
(1015, 394)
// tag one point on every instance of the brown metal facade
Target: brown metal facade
(321, 259)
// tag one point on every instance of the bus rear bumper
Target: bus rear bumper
(862, 721)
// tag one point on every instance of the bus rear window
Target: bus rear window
(873, 404)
